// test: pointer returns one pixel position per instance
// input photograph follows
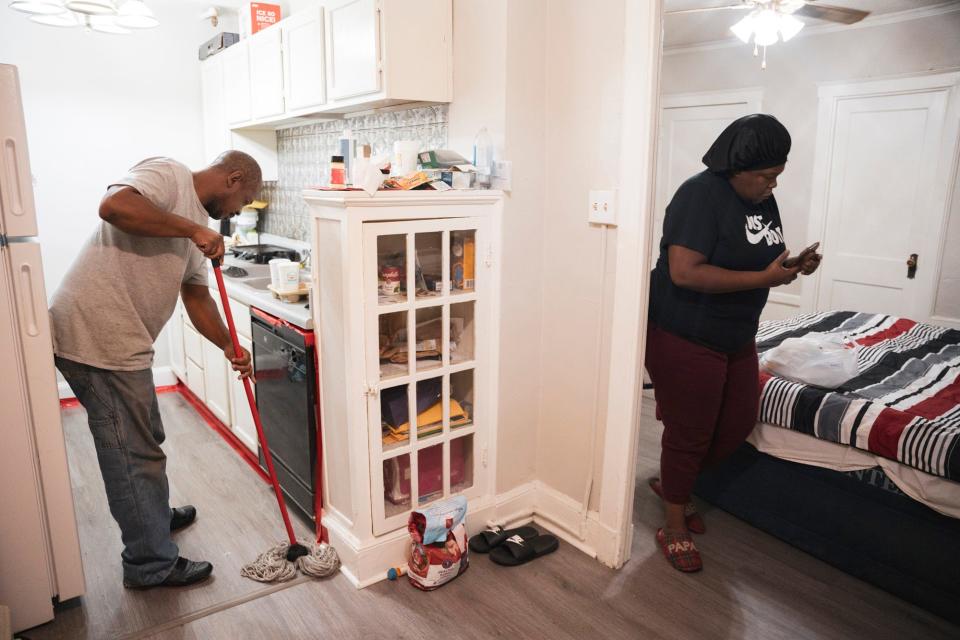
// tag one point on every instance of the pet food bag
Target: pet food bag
(438, 552)
(817, 359)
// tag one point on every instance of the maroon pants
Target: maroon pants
(708, 402)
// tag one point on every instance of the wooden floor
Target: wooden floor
(753, 585)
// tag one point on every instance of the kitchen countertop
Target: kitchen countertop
(237, 288)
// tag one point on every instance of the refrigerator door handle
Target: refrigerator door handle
(31, 326)
(12, 187)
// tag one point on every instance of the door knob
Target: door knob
(912, 265)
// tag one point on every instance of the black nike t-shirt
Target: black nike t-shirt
(707, 216)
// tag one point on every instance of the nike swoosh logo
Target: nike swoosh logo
(754, 238)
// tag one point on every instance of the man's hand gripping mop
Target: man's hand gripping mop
(280, 563)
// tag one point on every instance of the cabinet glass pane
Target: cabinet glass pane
(396, 485)
(463, 263)
(392, 268)
(395, 417)
(429, 265)
(461, 464)
(462, 332)
(429, 408)
(394, 346)
(461, 399)
(429, 337)
(430, 473)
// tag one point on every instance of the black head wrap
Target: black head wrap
(749, 143)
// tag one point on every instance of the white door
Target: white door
(304, 77)
(688, 126)
(884, 153)
(243, 425)
(266, 73)
(425, 333)
(236, 82)
(353, 48)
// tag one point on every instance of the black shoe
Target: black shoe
(185, 572)
(182, 516)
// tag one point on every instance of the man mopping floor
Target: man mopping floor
(151, 245)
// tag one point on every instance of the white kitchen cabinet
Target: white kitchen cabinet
(304, 74)
(195, 379)
(243, 426)
(389, 351)
(216, 382)
(266, 74)
(236, 82)
(353, 53)
(192, 342)
(178, 356)
(219, 96)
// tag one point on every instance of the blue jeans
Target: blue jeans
(124, 418)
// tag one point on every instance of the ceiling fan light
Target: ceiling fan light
(765, 28)
(789, 26)
(744, 28)
(38, 7)
(92, 7)
(65, 19)
(136, 15)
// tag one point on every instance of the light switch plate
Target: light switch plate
(602, 208)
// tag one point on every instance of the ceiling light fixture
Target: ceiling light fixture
(103, 16)
(767, 25)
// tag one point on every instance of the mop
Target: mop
(280, 562)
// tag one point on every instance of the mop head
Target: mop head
(320, 561)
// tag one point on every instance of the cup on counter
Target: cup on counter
(405, 157)
(275, 271)
(288, 274)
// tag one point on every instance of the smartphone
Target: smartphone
(790, 263)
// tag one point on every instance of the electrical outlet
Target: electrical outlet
(502, 176)
(602, 208)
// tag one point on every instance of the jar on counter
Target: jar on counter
(338, 173)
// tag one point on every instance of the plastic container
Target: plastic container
(338, 174)
(274, 270)
(288, 275)
(483, 157)
(404, 157)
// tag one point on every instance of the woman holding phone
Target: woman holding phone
(722, 251)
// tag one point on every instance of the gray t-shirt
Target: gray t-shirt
(122, 288)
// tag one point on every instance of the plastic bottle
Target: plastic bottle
(395, 572)
(338, 175)
(483, 157)
(347, 150)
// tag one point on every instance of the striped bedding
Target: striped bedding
(904, 404)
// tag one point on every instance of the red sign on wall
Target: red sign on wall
(263, 15)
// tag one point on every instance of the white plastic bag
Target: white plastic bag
(817, 359)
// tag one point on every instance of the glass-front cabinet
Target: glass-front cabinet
(424, 296)
(406, 303)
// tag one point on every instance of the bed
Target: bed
(865, 476)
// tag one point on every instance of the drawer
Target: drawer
(195, 380)
(193, 345)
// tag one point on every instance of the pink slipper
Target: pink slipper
(694, 520)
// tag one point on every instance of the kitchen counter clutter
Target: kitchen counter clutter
(252, 291)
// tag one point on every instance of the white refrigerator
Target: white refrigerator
(39, 548)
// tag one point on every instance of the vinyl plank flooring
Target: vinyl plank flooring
(753, 586)
(237, 518)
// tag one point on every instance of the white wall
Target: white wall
(790, 93)
(95, 104)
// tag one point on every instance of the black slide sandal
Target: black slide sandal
(518, 550)
(489, 539)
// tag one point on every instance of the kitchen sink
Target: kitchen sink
(257, 283)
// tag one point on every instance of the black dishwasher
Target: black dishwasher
(286, 375)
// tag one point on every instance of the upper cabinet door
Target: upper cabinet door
(304, 81)
(353, 48)
(236, 82)
(266, 73)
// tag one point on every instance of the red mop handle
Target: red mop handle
(253, 404)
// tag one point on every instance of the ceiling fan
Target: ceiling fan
(805, 8)
(773, 20)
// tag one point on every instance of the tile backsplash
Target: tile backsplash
(304, 158)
